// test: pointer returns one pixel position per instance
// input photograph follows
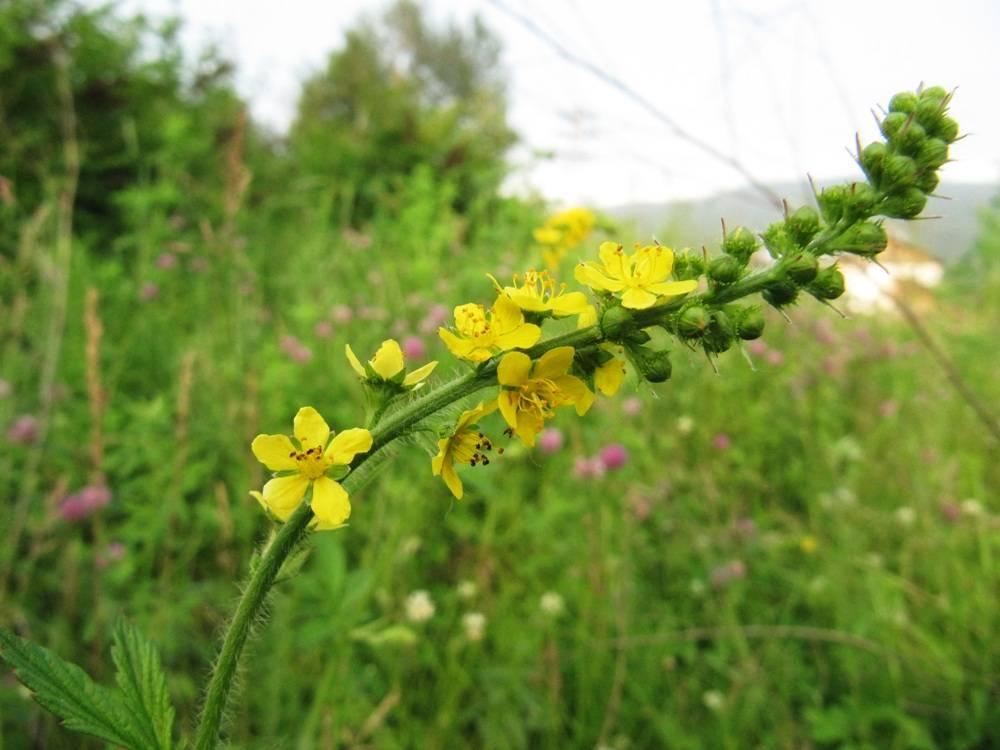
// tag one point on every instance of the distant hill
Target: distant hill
(693, 223)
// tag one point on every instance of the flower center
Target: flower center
(471, 321)
(312, 464)
(470, 447)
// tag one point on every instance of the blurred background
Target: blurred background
(199, 207)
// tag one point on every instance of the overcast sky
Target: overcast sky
(781, 86)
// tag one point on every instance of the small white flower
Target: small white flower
(906, 515)
(419, 607)
(697, 586)
(552, 604)
(713, 700)
(474, 624)
(972, 507)
(685, 425)
(466, 589)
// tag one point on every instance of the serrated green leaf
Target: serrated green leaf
(143, 685)
(66, 690)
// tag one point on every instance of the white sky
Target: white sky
(782, 85)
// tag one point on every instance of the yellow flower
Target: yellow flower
(537, 293)
(608, 377)
(389, 365)
(808, 544)
(588, 317)
(307, 460)
(642, 276)
(467, 445)
(562, 232)
(530, 392)
(480, 334)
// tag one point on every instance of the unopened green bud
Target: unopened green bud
(933, 154)
(750, 323)
(866, 238)
(802, 225)
(910, 138)
(616, 322)
(905, 101)
(779, 242)
(905, 205)
(900, 171)
(741, 244)
(693, 322)
(947, 130)
(802, 268)
(781, 293)
(930, 113)
(653, 365)
(935, 94)
(688, 265)
(832, 201)
(725, 269)
(873, 160)
(720, 334)
(928, 181)
(638, 336)
(861, 200)
(893, 123)
(828, 284)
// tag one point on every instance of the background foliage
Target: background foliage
(800, 555)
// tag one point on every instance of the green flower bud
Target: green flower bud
(905, 101)
(781, 293)
(935, 94)
(933, 154)
(929, 113)
(892, 123)
(720, 334)
(947, 130)
(741, 244)
(802, 268)
(865, 238)
(638, 336)
(802, 225)
(616, 322)
(688, 265)
(693, 322)
(861, 200)
(750, 323)
(653, 365)
(873, 160)
(905, 205)
(828, 284)
(779, 242)
(832, 201)
(900, 172)
(910, 138)
(725, 269)
(928, 181)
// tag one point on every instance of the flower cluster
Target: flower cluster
(700, 301)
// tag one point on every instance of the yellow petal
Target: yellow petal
(547, 236)
(276, 452)
(514, 368)
(673, 288)
(522, 337)
(589, 274)
(420, 374)
(506, 315)
(475, 414)
(452, 480)
(330, 504)
(283, 494)
(588, 317)
(569, 304)
(609, 377)
(438, 461)
(638, 299)
(525, 300)
(458, 346)
(576, 392)
(613, 257)
(355, 362)
(507, 401)
(658, 262)
(388, 360)
(345, 445)
(310, 428)
(554, 362)
(528, 427)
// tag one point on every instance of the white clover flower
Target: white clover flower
(466, 589)
(419, 606)
(552, 604)
(685, 425)
(474, 624)
(713, 700)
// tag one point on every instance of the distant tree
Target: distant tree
(401, 93)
